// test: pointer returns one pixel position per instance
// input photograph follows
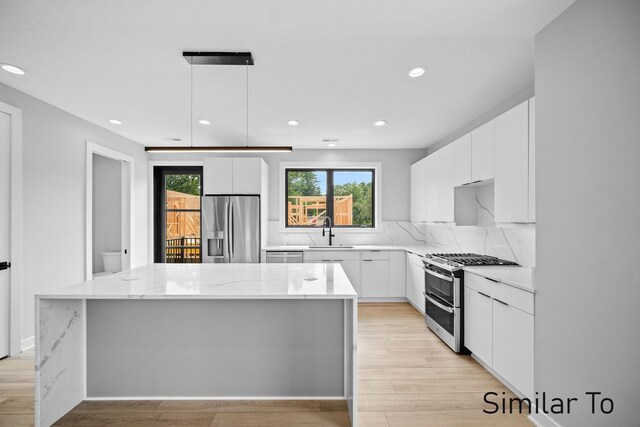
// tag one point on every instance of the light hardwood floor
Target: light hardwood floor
(407, 377)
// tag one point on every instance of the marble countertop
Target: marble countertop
(519, 277)
(215, 281)
(419, 250)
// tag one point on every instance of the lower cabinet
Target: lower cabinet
(498, 329)
(352, 269)
(415, 281)
(373, 273)
(513, 346)
(478, 324)
(375, 278)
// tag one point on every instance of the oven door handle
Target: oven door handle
(437, 304)
(438, 275)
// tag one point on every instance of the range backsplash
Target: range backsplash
(513, 243)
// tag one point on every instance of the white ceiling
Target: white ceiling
(336, 66)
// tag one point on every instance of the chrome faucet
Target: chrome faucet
(327, 223)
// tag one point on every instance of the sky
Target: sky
(342, 178)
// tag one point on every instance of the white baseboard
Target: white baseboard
(542, 420)
(217, 398)
(382, 299)
(27, 344)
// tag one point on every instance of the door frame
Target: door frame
(16, 233)
(151, 205)
(127, 174)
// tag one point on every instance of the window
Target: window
(177, 214)
(344, 195)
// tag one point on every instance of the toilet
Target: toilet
(112, 262)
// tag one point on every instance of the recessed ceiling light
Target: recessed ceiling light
(204, 122)
(380, 123)
(416, 72)
(331, 145)
(293, 123)
(13, 69)
(115, 121)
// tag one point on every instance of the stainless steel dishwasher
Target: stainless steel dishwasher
(285, 256)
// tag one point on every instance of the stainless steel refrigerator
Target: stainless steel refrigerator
(230, 229)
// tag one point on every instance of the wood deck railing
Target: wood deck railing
(182, 250)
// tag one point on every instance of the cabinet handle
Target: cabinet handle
(484, 295)
(501, 302)
(338, 260)
(493, 280)
(367, 260)
(325, 260)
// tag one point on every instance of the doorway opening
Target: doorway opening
(177, 191)
(109, 192)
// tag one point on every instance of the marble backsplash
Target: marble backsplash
(391, 233)
(515, 243)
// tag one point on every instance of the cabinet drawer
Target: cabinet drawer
(328, 256)
(371, 255)
(515, 297)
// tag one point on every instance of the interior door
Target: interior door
(5, 212)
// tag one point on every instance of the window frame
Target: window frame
(330, 195)
(159, 201)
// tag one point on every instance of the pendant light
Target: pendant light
(220, 58)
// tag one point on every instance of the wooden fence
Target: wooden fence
(311, 210)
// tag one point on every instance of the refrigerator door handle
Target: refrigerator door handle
(227, 236)
(231, 230)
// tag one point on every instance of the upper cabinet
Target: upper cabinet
(241, 175)
(512, 165)
(462, 160)
(501, 154)
(440, 176)
(482, 152)
(419, 191)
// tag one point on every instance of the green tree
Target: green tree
(303, 183)
(188, 184)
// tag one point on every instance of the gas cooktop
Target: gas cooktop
(466, 259)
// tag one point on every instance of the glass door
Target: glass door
(177, 214)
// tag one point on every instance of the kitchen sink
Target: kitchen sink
(330, 247)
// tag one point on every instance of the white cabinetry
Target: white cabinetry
(499, 329)
(512, 165)
(227, 175)
(415, 281)
(419, 191)
(397, 280)
(431, 209)
(440, 185)
(373, 273)
(462, 160)
(349, 260)
(482, 147)
(217, 176)
(375, 278)
(478, 324)
(513, 346)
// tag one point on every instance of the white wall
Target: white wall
(588, 208)
(394, 187)
(107, 208)
(54, 196)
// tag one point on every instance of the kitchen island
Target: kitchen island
(198, 331)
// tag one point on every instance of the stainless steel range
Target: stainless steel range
(444, 303)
